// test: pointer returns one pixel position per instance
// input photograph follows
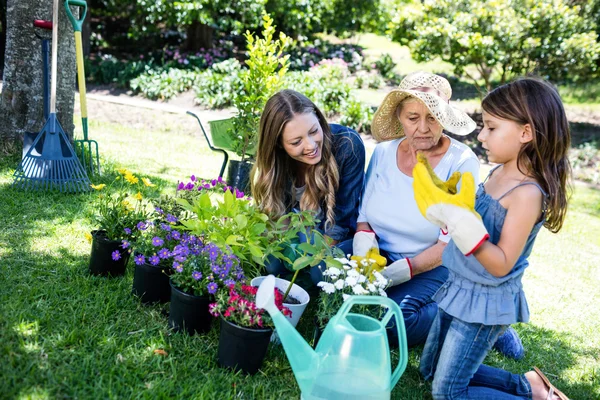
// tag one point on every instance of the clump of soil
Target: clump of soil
(289, 299)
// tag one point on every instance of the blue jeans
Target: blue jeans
(414, 299)
(453, 356)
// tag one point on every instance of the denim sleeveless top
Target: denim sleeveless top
(471, 293)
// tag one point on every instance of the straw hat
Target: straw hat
(435, 92)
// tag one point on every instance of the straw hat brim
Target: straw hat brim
(386, 125)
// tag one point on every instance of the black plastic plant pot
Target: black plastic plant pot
(101, 258)
(151, 283)
(242, 348)
(238, 175)
(189, 313)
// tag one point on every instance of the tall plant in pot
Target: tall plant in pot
(302, 246)
(245, 329)
(201, 270)
(118, 206)
(266, 69)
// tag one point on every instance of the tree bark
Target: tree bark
(21, 101)
(2, 33)
(199, 36)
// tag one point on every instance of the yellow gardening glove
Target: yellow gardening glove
(373, 262)
(452, 212)
(448, 186)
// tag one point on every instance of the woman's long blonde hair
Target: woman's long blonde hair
(273, 175)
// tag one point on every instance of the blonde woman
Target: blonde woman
(304, 163)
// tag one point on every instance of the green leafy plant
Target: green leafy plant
(214, 86)
(231, 221)
(266, 68)
(357, 115)
(553, 38)
(385, 65)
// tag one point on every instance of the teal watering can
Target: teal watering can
(352, 359)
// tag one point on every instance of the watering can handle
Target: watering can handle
(393, 311)
(77, 23)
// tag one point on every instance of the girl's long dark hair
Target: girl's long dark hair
(536, 102)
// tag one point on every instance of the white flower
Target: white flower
(326, 287)
(333, 271)
(351, 281)
(382, 293)
(358, 290)
(345, 296)
(347, 266)
(339, 284)
(342, 260)
(361, 278)
(352, 263)
(352, 274)
(380, 280)
(372, 288)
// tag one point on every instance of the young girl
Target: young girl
(304, 163)
(527, 133)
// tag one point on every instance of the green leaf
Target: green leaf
(307, 248)
(255, 251)
(232, 240)
(258, 229)
(301, 262)
(241, 221)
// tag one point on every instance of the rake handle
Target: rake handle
(54, 59)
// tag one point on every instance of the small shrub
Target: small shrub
(385, 65)
(214, 86)
(356, 115)
(156, 84)
(370, 79)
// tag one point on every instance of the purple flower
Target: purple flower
(154, 260)
(220, 179)
(189, 186)
(127, 231)
(139, 259)
(229, 282)
(165, 227)
(159, 210)
(142, 226)
(156, 241)
(164, 253)
(176, 235)
(124, 244)
(193, 178)
(171, 218)
(180, 258)
(180, 186)
(212, 287)
(238, 194)
(116, 255)
(213, 182)
(213, 253)
(197, 275)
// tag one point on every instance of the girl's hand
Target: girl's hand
(454, 213)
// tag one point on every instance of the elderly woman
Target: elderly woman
(412, 119)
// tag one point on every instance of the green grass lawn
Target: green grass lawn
(66, 334)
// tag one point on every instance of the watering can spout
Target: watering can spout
(301, 356)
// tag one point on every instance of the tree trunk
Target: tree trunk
(2, 33)
(21, 102)
(199, 36)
